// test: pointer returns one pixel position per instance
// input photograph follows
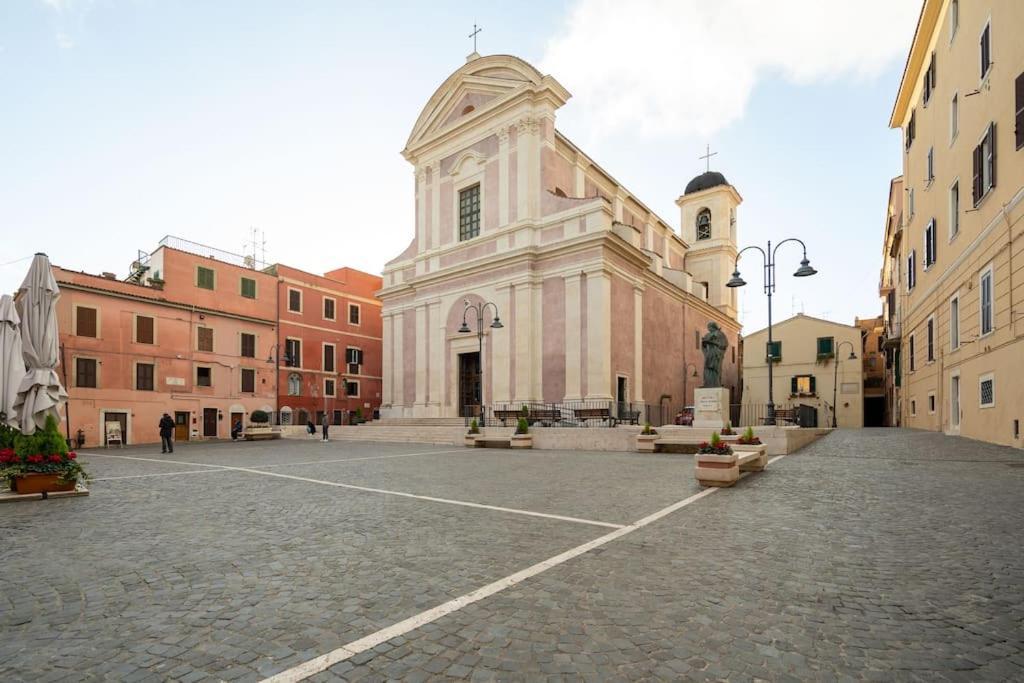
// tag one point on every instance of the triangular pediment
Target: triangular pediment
(480, 86)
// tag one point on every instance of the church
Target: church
(585, 293)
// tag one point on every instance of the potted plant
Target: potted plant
(259, 427)
(716, 464)
(359, 416)
(522, 437)
(39, 462)
(645, 440)
(474, 431)
(748, 438)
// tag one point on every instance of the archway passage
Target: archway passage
(874, 411)
(469, 384)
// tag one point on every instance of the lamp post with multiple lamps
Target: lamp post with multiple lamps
(768, 257)
(835, 379)
(495, 325)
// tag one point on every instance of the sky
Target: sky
(122, 121)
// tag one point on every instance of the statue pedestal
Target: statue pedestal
(711, 407)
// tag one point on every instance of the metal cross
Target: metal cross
(707, 157)
(472, 35)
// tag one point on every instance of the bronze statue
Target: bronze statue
(713, 345)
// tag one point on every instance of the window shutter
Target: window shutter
(976, 184)
(992, 158)
(933, 72)
(792, 385)
(359, 356)
(1019, 108)
(814, 388)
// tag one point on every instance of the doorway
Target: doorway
(181, 430)
(954, 404)
(469, 384)
(122, 420)
(874, 411)
(210, 422)
(621, 395)
(237, 417)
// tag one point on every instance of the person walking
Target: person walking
(311, 429)
(166, 434)
(327, 421)
(236, 429)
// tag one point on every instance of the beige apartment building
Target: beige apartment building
(805, 351)
(960, 108)
(872, 355)
(889, 289)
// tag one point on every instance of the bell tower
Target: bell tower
(708, 218)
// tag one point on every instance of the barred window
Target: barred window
(988, 392)
(704, 224)
(469, 213)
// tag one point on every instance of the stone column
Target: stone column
(599, 352)
(421, 357)
(524, 341)
(398, 360)
(388, 335)
(638, 344)
(501, 347)
(503, 177)
(527, 167)
(422, 229)
(436, 359)
(572, 336)
(579, 179)
(436, 229)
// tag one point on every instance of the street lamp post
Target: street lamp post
(835, 379)
(495, 324)
(768, 258)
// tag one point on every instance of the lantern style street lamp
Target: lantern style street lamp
(835, 379)
(495, 325)
(768, 259)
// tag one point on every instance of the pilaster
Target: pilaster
(503, 176)
(435, 206)
(422, 228)
(638, 344)
(398, 359)
(572, 323)
(527, 168)
(421, 355)
(599, 352)
(501, 349)
(437, 356)
(524, 341)
(387, 362)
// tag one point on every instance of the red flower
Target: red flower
(56, 457)
(72, 455)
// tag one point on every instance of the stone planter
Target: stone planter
(756, 464)
(521, 441)
(729, 438)
(470, 440)
(40, 483)
(645, 443)
(716, 470)
(259, 433)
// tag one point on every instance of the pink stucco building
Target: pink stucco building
(601, 300)
(188, 335)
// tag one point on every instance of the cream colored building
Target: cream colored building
(962, 287)
(600, 299)
(805, 351)
(891, 290)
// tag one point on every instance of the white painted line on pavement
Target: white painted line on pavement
(369, 457)
(325, 661)
(432, 499)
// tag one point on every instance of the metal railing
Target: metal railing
(580, 413)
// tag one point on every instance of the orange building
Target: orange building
(329, 345)
(187, 334)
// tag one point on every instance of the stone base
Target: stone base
(711, 407)
(716, 470)
(521, 441)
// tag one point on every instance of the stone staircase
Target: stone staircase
(446, 435)
(419, 422)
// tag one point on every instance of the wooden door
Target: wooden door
(209, 422)
(469, 384)
(181, 431)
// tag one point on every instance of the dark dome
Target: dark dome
(704, 181)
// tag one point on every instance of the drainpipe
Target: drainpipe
(67, 413)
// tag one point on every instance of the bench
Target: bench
(782, 415)
(505, 415)
(544, 415)
(629, 416)
(584, 414)
(724, 470)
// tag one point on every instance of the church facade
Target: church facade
(599, 299)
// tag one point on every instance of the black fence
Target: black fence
(570, 414)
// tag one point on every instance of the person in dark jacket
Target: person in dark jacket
(310, 428)
(327, 421)
(166, 432)
(236, 429)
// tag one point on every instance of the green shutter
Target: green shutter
(793, 386)
(774, 351)
(814, 389)
(248, 288)
(204, 278)
(826, 347)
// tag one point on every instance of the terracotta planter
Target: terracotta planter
(40, 483)
(645, 443)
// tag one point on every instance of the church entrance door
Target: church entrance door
(469, 384)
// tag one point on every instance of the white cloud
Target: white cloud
(64, 41)
(677, 67)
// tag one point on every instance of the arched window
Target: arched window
(295, 384)
(286, 415)
(704, 224)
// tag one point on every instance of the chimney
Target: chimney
(109, 276)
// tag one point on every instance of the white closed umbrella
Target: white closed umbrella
(41, 392)
(12, 364)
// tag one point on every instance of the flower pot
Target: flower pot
(521, 441)
(40, 483)
(716, 470)
(645, 443)
(471, 440)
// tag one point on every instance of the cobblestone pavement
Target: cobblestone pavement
(872, 554)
